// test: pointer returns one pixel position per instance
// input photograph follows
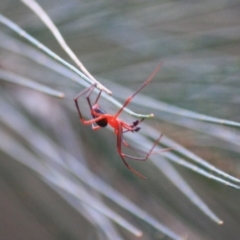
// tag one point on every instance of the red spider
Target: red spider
(102, 119)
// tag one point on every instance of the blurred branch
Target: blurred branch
(14, 78)
(160, 106)
(37, 9)
(39, 45)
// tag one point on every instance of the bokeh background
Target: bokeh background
(120, 42)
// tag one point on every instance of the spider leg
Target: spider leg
(122, 155)
(129, 99)
(94, 120)
(133, 127)
(98, 96)
(126, 144)
(90, 89)
(150, 152)
(89, 94)
(94, 127)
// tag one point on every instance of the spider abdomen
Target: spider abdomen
(103, 122)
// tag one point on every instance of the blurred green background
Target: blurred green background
(120, 42)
